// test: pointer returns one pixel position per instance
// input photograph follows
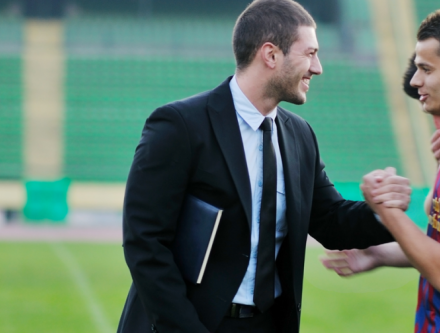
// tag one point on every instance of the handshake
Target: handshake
(389, 196)
(383, 189)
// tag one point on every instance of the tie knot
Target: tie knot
(266, 125)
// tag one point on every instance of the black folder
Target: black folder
(196, 229)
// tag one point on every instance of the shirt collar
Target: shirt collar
(246, 110)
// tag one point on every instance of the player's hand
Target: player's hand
(349, 262)
(435, 145)
(384, 186)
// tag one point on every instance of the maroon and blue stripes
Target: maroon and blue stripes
(428, 305)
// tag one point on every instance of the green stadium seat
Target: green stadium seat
(46, 200)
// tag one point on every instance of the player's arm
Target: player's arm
(422, 251)
(350, 262)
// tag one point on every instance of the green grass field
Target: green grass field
(382, 301)
(81, 287)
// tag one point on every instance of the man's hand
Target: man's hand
(384, 186)
(435, 145)
(349, 262)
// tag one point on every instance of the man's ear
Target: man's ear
(270, 54)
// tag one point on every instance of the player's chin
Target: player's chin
(435, 110)
(432, 108)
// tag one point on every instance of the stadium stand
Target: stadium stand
(121, 65)
(10, 118)
(10, 99)
(109, 95)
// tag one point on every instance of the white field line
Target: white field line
(59, 233)
(98, 317)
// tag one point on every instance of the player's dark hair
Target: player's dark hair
(409, 73)
(274, 21)
(430, 28)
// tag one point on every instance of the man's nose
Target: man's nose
(316, 67)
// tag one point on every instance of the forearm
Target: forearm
(422, 252)
(388, 255)
(348, 225)
(343, 224)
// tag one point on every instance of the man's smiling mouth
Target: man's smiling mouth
(306, 81)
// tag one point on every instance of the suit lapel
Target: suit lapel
(225, 125)
(289, 150)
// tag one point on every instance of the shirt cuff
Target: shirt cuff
(378, 218)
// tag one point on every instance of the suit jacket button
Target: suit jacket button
(299, 306)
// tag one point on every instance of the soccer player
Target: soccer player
(413, 248)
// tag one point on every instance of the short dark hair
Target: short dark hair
(430, 28)
(274, 21)
(409, 73)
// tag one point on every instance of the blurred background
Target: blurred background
(78, 78)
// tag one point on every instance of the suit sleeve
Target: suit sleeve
(338, 223)
(154, 195)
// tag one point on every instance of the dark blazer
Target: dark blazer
(194, 146)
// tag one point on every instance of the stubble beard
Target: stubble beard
(284, 87)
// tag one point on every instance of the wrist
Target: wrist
(379, 209)
(376, 256)
(390, 215)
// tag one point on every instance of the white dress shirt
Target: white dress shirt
(249, 121)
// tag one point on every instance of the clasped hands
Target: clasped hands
(383, 189)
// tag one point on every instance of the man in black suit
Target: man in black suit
(234, 148)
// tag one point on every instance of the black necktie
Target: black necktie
(265, 273)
